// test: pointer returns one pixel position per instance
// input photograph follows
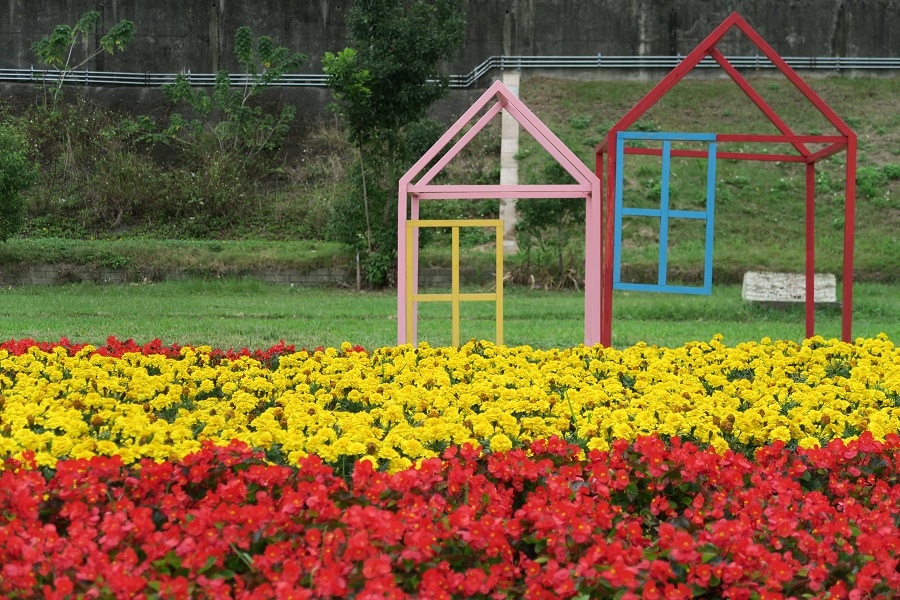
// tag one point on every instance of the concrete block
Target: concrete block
(787, 287)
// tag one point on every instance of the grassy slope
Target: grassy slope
(759, 205)
(759, 209)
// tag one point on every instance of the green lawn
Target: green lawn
(237, 313)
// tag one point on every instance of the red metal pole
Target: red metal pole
(609, 202)
(600, 203)
(810, 249)
(849, 234)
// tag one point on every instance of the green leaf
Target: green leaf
(210, 563)
(223, 574)
(54, 48)
(243, 47)
(87, 22)
(118, 37)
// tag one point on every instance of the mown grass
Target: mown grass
(237, 313)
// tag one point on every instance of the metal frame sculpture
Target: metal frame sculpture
(607, 160)
(496, 99)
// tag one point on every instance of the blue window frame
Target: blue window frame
(664, 213)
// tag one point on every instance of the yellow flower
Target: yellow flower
(501, 443)
(809, 442)
(780, 433)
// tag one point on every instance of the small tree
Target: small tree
(17, 173)
(58, 49)
(227, 138)
(382, 85)
(226, 115)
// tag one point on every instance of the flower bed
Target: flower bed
(395, 406)
(764, 470)
(645, 519)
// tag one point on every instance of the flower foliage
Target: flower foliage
(395, 407)
(117, 348)
(644, 519)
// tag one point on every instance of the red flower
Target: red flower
(376, 566)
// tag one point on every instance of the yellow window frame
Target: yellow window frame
(455, 297)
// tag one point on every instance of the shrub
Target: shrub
(126, 189)
(892, 172)
(17, 173)
(870, 182)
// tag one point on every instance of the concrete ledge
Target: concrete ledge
(59, 274)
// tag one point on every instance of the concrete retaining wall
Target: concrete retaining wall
(196, 35)
(193, 35)
(59, 274)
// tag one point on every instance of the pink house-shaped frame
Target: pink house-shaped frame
(414, 188)
(845, 140)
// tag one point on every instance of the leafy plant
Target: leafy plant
(395, 45)
(579, 122)
(227, 139)
(17, 173)
(870, 182)
(226, 117)
(892, 172)
(58, 49)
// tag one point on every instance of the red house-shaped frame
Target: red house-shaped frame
(845, 140)
(497, 98)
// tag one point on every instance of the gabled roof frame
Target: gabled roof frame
(414, 188)
(845, 140)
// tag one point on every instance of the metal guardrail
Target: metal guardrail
(598, 61)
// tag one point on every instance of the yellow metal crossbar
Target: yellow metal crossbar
(455, 296)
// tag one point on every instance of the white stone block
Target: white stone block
(787, 287)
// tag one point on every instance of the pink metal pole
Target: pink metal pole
(401, 260)
(413, 216)
(810, 249)
(593, 268)
(600, 204)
